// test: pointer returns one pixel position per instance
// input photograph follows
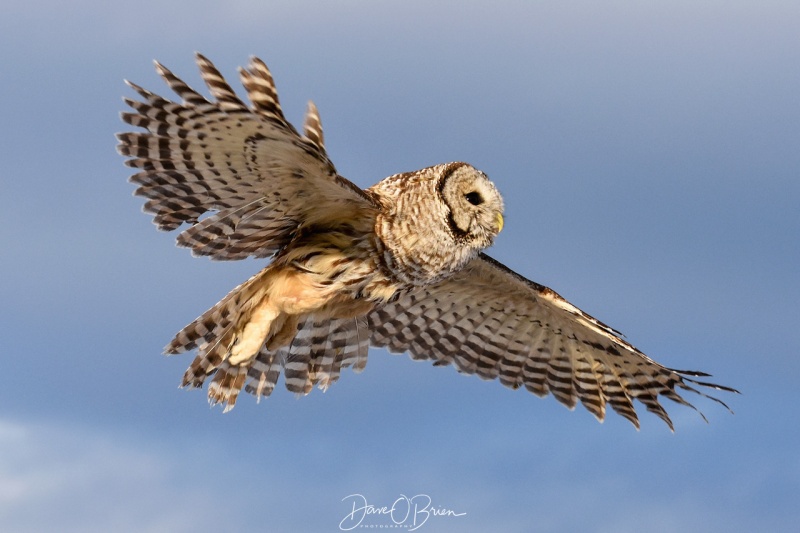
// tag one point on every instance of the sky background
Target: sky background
(649, 156)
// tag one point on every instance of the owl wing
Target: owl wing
(490, 321)
(246, 166)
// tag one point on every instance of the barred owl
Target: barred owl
(398, 265)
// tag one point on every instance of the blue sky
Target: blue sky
(648, 156)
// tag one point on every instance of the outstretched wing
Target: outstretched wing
(488, 320)
(246, 166)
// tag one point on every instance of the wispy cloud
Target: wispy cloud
(77, 479)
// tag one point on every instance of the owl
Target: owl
(398, 265)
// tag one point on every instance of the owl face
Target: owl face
(475, 207)
(435, 220)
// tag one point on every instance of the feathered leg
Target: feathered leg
(262, 312)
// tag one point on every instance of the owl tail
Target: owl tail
(229, 336)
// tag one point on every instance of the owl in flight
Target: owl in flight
(397, 265)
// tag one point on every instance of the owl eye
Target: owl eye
(474, 198)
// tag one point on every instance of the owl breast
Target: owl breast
(341, 259)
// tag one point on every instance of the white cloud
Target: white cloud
(74, 479)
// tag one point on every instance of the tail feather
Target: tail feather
(210, 355)
(323, 353)
(325, 346)
(329, 363)
(297, 367)
(358, 359)
(213, 334)
(207, 329)
(316, 354)
(265, 371)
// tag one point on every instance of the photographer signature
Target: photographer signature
(407, 512)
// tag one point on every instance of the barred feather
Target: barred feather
(226, 385)
(312, 127)
(491, 322)
(260, 87)
(321, 348)
(247, 165)
(226, 98)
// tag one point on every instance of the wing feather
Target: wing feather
(492, 322)
(260, 87)
(245, 166)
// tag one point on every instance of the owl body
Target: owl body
(398, 265)
(347, 262)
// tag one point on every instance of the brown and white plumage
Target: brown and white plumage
(396, 265)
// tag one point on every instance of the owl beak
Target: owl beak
(499, 222)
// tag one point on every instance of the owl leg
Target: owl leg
(254, 333)
(272, 318)
(231, 374)
(267, 315)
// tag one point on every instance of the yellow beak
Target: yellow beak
(499, 222)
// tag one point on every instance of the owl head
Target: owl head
(435, 220)
(475, 208)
